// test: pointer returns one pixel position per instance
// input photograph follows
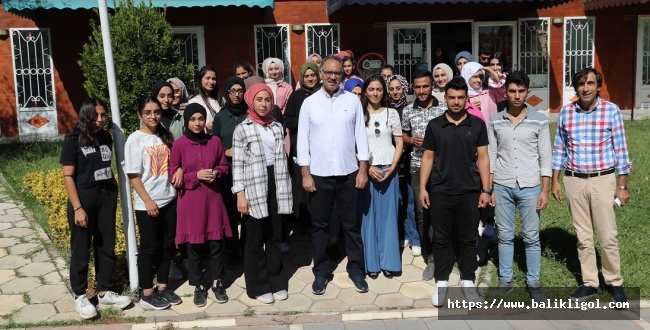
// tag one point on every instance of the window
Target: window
(192, 49)
(322, 39)
(272, 41)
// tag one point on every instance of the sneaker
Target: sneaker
(583, 293)
(404, 243)
(112, 299)
(83, 306)
(154, 301)
(427, 274)
(266, 298)
(618, 294)
(439, 296)
(284, 246)
(359, 284)
(373, 275)
(281, 295)
(220, 292)
(469, 291)
(200, 296)
(502, 288)
(319, 285)
(536, 293)
(170, 296)
(416, 251)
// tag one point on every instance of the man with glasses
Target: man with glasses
(415, 118)
(331, 138)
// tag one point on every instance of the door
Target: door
(409, 47)
(34, 82)
(533, 59)
(498, 34)
(578, 51)
(643, 64)
(272, 40)
(192, 48)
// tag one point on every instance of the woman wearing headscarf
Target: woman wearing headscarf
(233, 113)
(309, 83)
(312, 58)
(485, 99)
(202, 217)
(262, 184)
(274, 77)
(354, 86)
(442, 73)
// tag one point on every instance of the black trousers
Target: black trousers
(262, 253)
(424, 219)
(233, 244)
(342, 190)
(100, 204)
(156, 244)
(459, 212)
(208, 255)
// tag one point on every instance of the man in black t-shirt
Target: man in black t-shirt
(452, 188)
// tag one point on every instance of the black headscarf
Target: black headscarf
(236, 109)
(192, 108)
(167, 114)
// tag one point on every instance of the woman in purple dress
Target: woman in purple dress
(202, 218)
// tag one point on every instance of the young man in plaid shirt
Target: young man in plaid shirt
(590, 144)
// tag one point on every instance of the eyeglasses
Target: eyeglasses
(148, 113)
(235, 91)
(377, 131)
(336, 74)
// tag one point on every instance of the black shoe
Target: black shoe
(233, 259)
(170, 296)
(502, 288)
(200, 296)
(618, 294)
(373, 275)
(536, 293)
(359, 284)
(153, 301)
(319, 285)
(387, 273)
(220, 293)
(583, 293)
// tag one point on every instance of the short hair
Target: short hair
(581, 76)
(330, 57)
(389, 67)
(487, 49)
(422, 74)
(457, 83)
(518, 78)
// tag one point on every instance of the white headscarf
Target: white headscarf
(273, 83)
(469, 70)
(446, 68)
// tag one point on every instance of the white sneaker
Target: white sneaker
(416, 251)
(112, 299)
(281, 295)
(83, 306)
(404, 243)
(439, 296)
(469, 291)
(284, 246)
(266, 298)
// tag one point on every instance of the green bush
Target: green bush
(144, 51)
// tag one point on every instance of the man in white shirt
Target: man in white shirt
(333, 154)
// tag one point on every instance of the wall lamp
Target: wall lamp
(298, 27)
(558, 21)
(4, 33)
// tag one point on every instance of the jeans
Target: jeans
(525, 199)
(423, 218)
(408, 229)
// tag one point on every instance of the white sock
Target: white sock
(442, 284)
(467, 283)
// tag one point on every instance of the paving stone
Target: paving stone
(22, 224)
(166, 314)
(407, 257)
(296, 302)
(5, 225)
(23, 248)
(331, 305)
(20, 285)
(8, 241)
(324, 326)
(393, 300)
(15, 211)
(435, 323)
(410, 274)
(232, 291)
(10, 303)
(296, 285)
(3, 252)
(342, 266)
(34, 313)
(13, 262)
(184, 290)
(454, 279)
(42, 256)
(419, 263)
(134, 310)
(417, 290)
(241, 282)
(231, 308)
(363, 308)
(411, 324)
(305, 275)
(364, 325)
(384, 285)
(69, 316)
(341, 280)
(6, 275)
(60, 264)
(266, 309)
(6, 206)
(48, 293)
(351, 297)
(244, 299)
(331, 291)
(422, 303)
(3, 322)
(65, 304)
(18, 232)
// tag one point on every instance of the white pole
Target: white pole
(120, 141)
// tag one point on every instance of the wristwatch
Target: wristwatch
(622, 187)
(487, 191)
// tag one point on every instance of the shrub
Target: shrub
(144, 51)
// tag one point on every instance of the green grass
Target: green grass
(560, 266)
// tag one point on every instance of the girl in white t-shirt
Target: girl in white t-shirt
(209, 96)
(147, 165)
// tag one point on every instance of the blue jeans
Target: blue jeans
(524, 199)
(407, 218)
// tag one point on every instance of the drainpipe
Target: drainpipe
(635, 14)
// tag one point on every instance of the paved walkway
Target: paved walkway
(34, 289)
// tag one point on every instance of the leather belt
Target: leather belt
(587, 175)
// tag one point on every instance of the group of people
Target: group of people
(349, 159)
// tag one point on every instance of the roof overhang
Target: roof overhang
(88, 4)
(601, 4)
(334, 5)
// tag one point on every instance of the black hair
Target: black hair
(486, 49)
(518, 78)
(503, 60)
(580, 77)
(390, 67)
(87, 116)
(364, 98)
(422, 74)
(215, 92)
(355, 69)
(245, 65)
(164, 134)
(457, 83)
(331, 57)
